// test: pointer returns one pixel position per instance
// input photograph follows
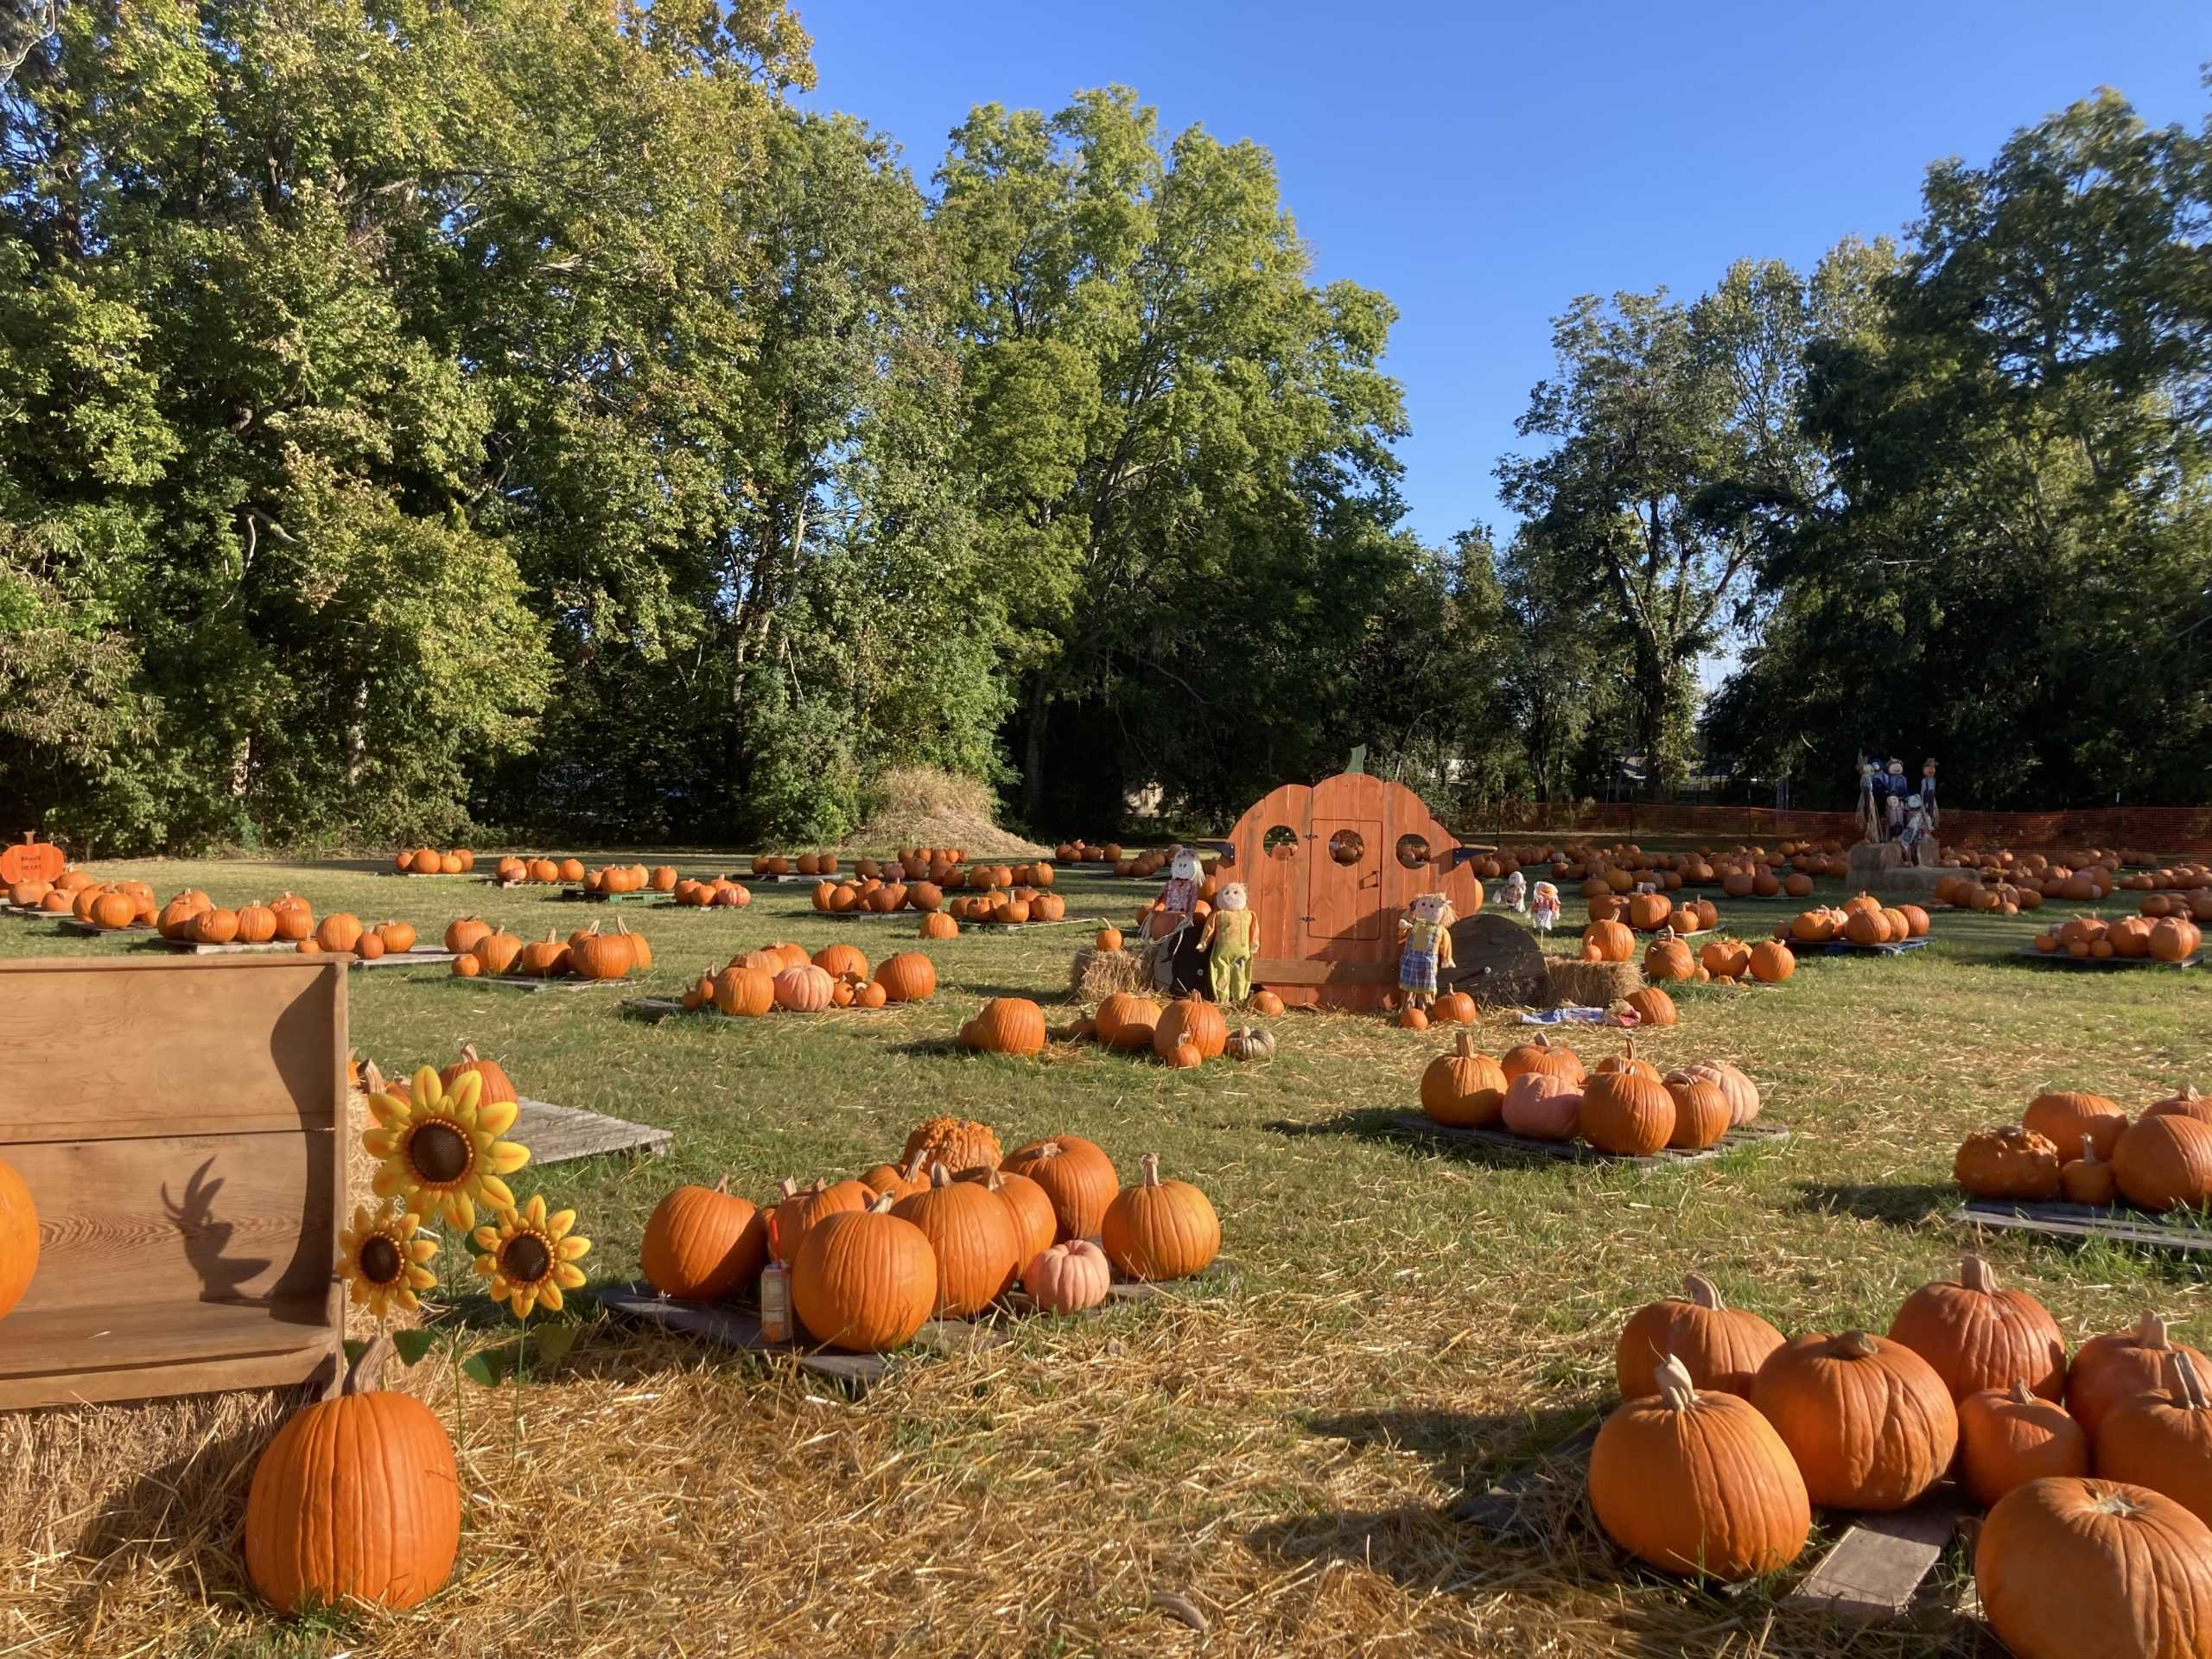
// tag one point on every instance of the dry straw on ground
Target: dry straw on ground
(1096, 975)
(918, 806)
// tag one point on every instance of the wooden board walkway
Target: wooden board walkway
(514, 982)
(739, 1328)
(556, 1134)
(1581, 1152)
(2120, 1224)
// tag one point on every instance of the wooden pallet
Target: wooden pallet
(556, 1134)
(740, 1328)
(418, 956)
(1846, 948)
(433, 876)
(642, 896)
(93, 930)
(193, 948)
(654, 1009)
(2060, 959)
(1874, 1571)
(2119, 1223)
(1579, 1152)
(514, 982)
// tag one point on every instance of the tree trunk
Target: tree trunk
(1032, 763)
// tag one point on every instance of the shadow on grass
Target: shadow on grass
(1902, 1204)
(1367, 1122)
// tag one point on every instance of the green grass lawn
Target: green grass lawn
(1277, 1447)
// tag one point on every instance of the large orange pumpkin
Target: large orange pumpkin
(1006, 1025)
(2066, 1567)
(2070, 1121)
(1462, 1088)
(1193, 1019)
(2164, 1162)
(2162, 1440)
(356, 1498)
(1627, 1112)
(864, 1280)
(1076, 1176)
(703, 1243)
(2010, 1436)
(1978, 1335)
(977, 1243)
(1869, 1422)
(909, 976)
(1160, 1230)
(2112, 1370)
(1720, 1347)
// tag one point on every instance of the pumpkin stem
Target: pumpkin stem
(1977, 1276)
(789, 1188)
(1703, 1292)
(939, 1175)
(2150, 1333)
(1855, 1344)
(1676, 1386)
(371, 1079)
(367, 1369)
(1151, 1161)
(1465, 1046)
(2188, 1386)
(2020, 1396)
(882, 1205)
(722, 1182)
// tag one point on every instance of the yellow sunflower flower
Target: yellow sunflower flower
(441, 1150)
(531, 1257)
(382, 1257)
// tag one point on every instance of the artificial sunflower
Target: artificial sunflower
(441, 1149)
(531, 1257)
(381, 1255)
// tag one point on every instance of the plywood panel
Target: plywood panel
(203, 1219)
(95, 1047)
(1344, 895)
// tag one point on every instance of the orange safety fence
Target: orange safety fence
(2155, 830)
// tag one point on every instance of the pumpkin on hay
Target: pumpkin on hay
(2066, 1567)
(2011, 1435)
(357, 1497)
(703, 1243)
(1607, 942)
(2112, 1370)
(2162, 1440)
(1720, 1347)
(1160, 1230)
(1455, 1007)
(1006, 1025)
(1698, 1483)
(744, 993)
(1069, 1277)
(1978, 1335)
(1194, 1019)
(1652, 1006)
(1462, 1088)
(973, 1234)
(1869, 1422)
(1267, 1004)
(910, 976)
(1076, 1176)
(865, 1281)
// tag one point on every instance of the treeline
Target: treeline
(526, 413)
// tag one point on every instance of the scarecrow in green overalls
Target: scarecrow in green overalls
(1231, 939)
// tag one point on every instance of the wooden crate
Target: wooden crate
(178, 1122)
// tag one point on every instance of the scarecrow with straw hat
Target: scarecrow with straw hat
(1424, 945)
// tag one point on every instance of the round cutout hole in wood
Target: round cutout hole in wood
(1282, 842)
(1413, 852)
(1347, 847)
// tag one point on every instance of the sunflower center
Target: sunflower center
(524, 1259)
(380, 1261)
(440, 1153)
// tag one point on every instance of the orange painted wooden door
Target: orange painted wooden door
(1343, 882)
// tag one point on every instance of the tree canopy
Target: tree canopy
(529, 413)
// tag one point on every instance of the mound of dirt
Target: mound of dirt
(919, 806)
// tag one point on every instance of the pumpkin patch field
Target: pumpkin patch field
(1262, 1459)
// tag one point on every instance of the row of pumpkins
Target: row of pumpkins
(719, 892)
(1862, 920)
(783, 977)
(1647, 912)
(1188, 1032)
(538, 870)
(1626, 866)
(1668, 960)
(482, 950)
(1024, 901)
(1729, 1433)
(1625, 1106)
(1998, 898)
(2004, 860)
(429, 861)
(950, 1227)
(2082, 1147)
(2171, 938)
(2193, 904)
(2025, 890)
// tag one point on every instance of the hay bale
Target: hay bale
(1590, 984)
(920, 806)
(1096, 975)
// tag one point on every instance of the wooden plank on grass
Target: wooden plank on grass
(2098, 964)
(514, 983)
(556, 1134)
(71, 925)
(1580, 1152)
(642, 896)
(2116, 1222)
(420, 953)
(193, 948)
(1876, 1568)
(1846, 948)
(739, 1328)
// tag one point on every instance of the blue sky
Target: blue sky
(1483, 164)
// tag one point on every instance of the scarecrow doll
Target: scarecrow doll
(1894, 791)
(1180, 964)
(1914, 836)
(1231, 939)
(1424, 944)
(1515, 893)
(1545, 911)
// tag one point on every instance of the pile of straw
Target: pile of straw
(1590, 984)
(1096, 975)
